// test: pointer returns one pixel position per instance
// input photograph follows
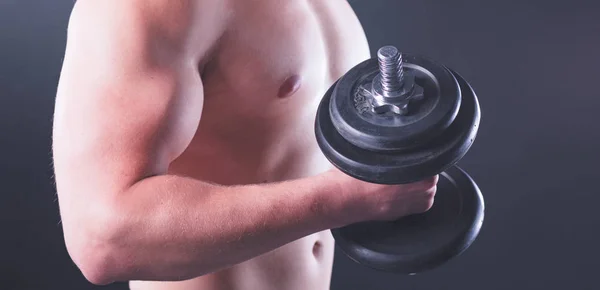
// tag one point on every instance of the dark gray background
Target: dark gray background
(534, 64)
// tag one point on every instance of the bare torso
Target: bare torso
(262, 85)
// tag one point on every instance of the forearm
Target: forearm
(177, 228)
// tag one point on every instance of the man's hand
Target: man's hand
(359, 201)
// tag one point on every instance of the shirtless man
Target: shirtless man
(184, 145)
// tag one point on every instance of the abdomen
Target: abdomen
(303, 264)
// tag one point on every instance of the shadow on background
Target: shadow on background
(534, 65)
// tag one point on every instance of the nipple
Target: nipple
(289, 86)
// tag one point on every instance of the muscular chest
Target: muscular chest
(251, 131)
(279, 55)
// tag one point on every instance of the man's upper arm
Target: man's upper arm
(130, 97)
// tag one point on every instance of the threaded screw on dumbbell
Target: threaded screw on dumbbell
(392, 90)
(391, 68)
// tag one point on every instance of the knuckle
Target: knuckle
(430, 182)
(430, 192)
(428, 204)
(380, 207)
(384, 212)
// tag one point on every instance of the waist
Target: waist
(303, 264)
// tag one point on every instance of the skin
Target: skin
(184, 149)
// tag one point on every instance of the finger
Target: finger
(422, 185)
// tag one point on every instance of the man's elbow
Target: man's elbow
(96, 268)
(90, 240)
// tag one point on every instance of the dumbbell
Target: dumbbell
(399, 118)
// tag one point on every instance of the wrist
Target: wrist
(333, 196)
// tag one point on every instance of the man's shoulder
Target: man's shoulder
(157, 10)
(173, 22)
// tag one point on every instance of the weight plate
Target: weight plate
(353, 118)
(420, 242)
(405, 166)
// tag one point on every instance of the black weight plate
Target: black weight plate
(379, 132)
(396, 167)
(420, 242)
